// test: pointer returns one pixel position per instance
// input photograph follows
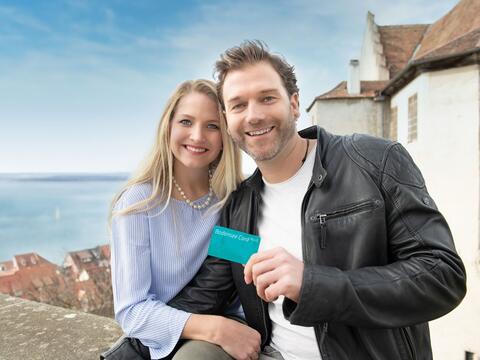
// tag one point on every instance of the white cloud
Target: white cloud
(10, 16)
(99, 100)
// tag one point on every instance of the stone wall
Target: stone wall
(32, 330)
(348, 116)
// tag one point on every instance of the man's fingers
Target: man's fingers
(275, 272)
(272, 292)
(247, 271)
(257, 258)
(263, 267)
(264, 281)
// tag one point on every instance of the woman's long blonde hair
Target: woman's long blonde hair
(157, 168)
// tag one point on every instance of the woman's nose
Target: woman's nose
(197, 134)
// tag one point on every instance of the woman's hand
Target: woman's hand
(240, 341)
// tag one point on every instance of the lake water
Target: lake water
(54, 214)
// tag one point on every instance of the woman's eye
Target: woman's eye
(185, 122)
(213, 126)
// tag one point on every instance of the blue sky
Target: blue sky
(83, 83)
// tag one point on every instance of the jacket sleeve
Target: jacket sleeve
(424, 279)
(210, 291)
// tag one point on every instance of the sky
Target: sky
(83, 83)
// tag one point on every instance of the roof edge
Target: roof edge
(414, 65)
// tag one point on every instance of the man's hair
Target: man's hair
(251, 52)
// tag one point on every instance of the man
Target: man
(355, 258)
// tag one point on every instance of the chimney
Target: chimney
(353, 83)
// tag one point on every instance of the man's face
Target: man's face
(260, 114)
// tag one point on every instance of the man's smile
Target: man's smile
(260, 131)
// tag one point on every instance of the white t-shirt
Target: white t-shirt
(280, 225)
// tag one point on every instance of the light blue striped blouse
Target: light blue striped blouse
(153, 257)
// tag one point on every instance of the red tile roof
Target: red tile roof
(368, 89)
(399, 43)
(29, 260)
(6, 266)
(407, 46)
(29, 280)
(84, 255)
(89, 259)
(447, 33)
(453, 39)
(460, 45)
(105, 250)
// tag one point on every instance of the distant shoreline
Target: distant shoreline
(63, 177)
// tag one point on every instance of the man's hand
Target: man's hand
(275, 272)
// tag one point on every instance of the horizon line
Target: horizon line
(62, 172)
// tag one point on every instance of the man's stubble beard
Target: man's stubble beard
(286, 133)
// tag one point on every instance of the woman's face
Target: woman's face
(195, 136)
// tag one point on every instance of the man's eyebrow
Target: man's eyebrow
(233, 99)
(236, 98)
(269, 91)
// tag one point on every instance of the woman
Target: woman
(161, 226)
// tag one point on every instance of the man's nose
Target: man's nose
(255, 113)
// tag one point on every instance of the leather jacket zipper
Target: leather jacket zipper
(323, 329)
(408, 342)
(321, 345)
(302, 220)
(320, 338)
(322, 218)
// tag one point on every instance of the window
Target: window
(469, 355)
(412, 118)
(393, 124)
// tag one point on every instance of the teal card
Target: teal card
(233, 245)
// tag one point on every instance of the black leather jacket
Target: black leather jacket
(379, 258)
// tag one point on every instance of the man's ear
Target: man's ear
(295, 105)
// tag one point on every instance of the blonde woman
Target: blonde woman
(161, 225)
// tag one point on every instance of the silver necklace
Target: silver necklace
(190, 202)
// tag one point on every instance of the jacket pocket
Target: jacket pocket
(322, 218)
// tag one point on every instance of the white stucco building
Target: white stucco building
(420, 85)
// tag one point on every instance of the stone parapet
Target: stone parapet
(32, 330)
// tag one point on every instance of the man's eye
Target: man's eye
(185, 122)
(268, 99)
(237, 107)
